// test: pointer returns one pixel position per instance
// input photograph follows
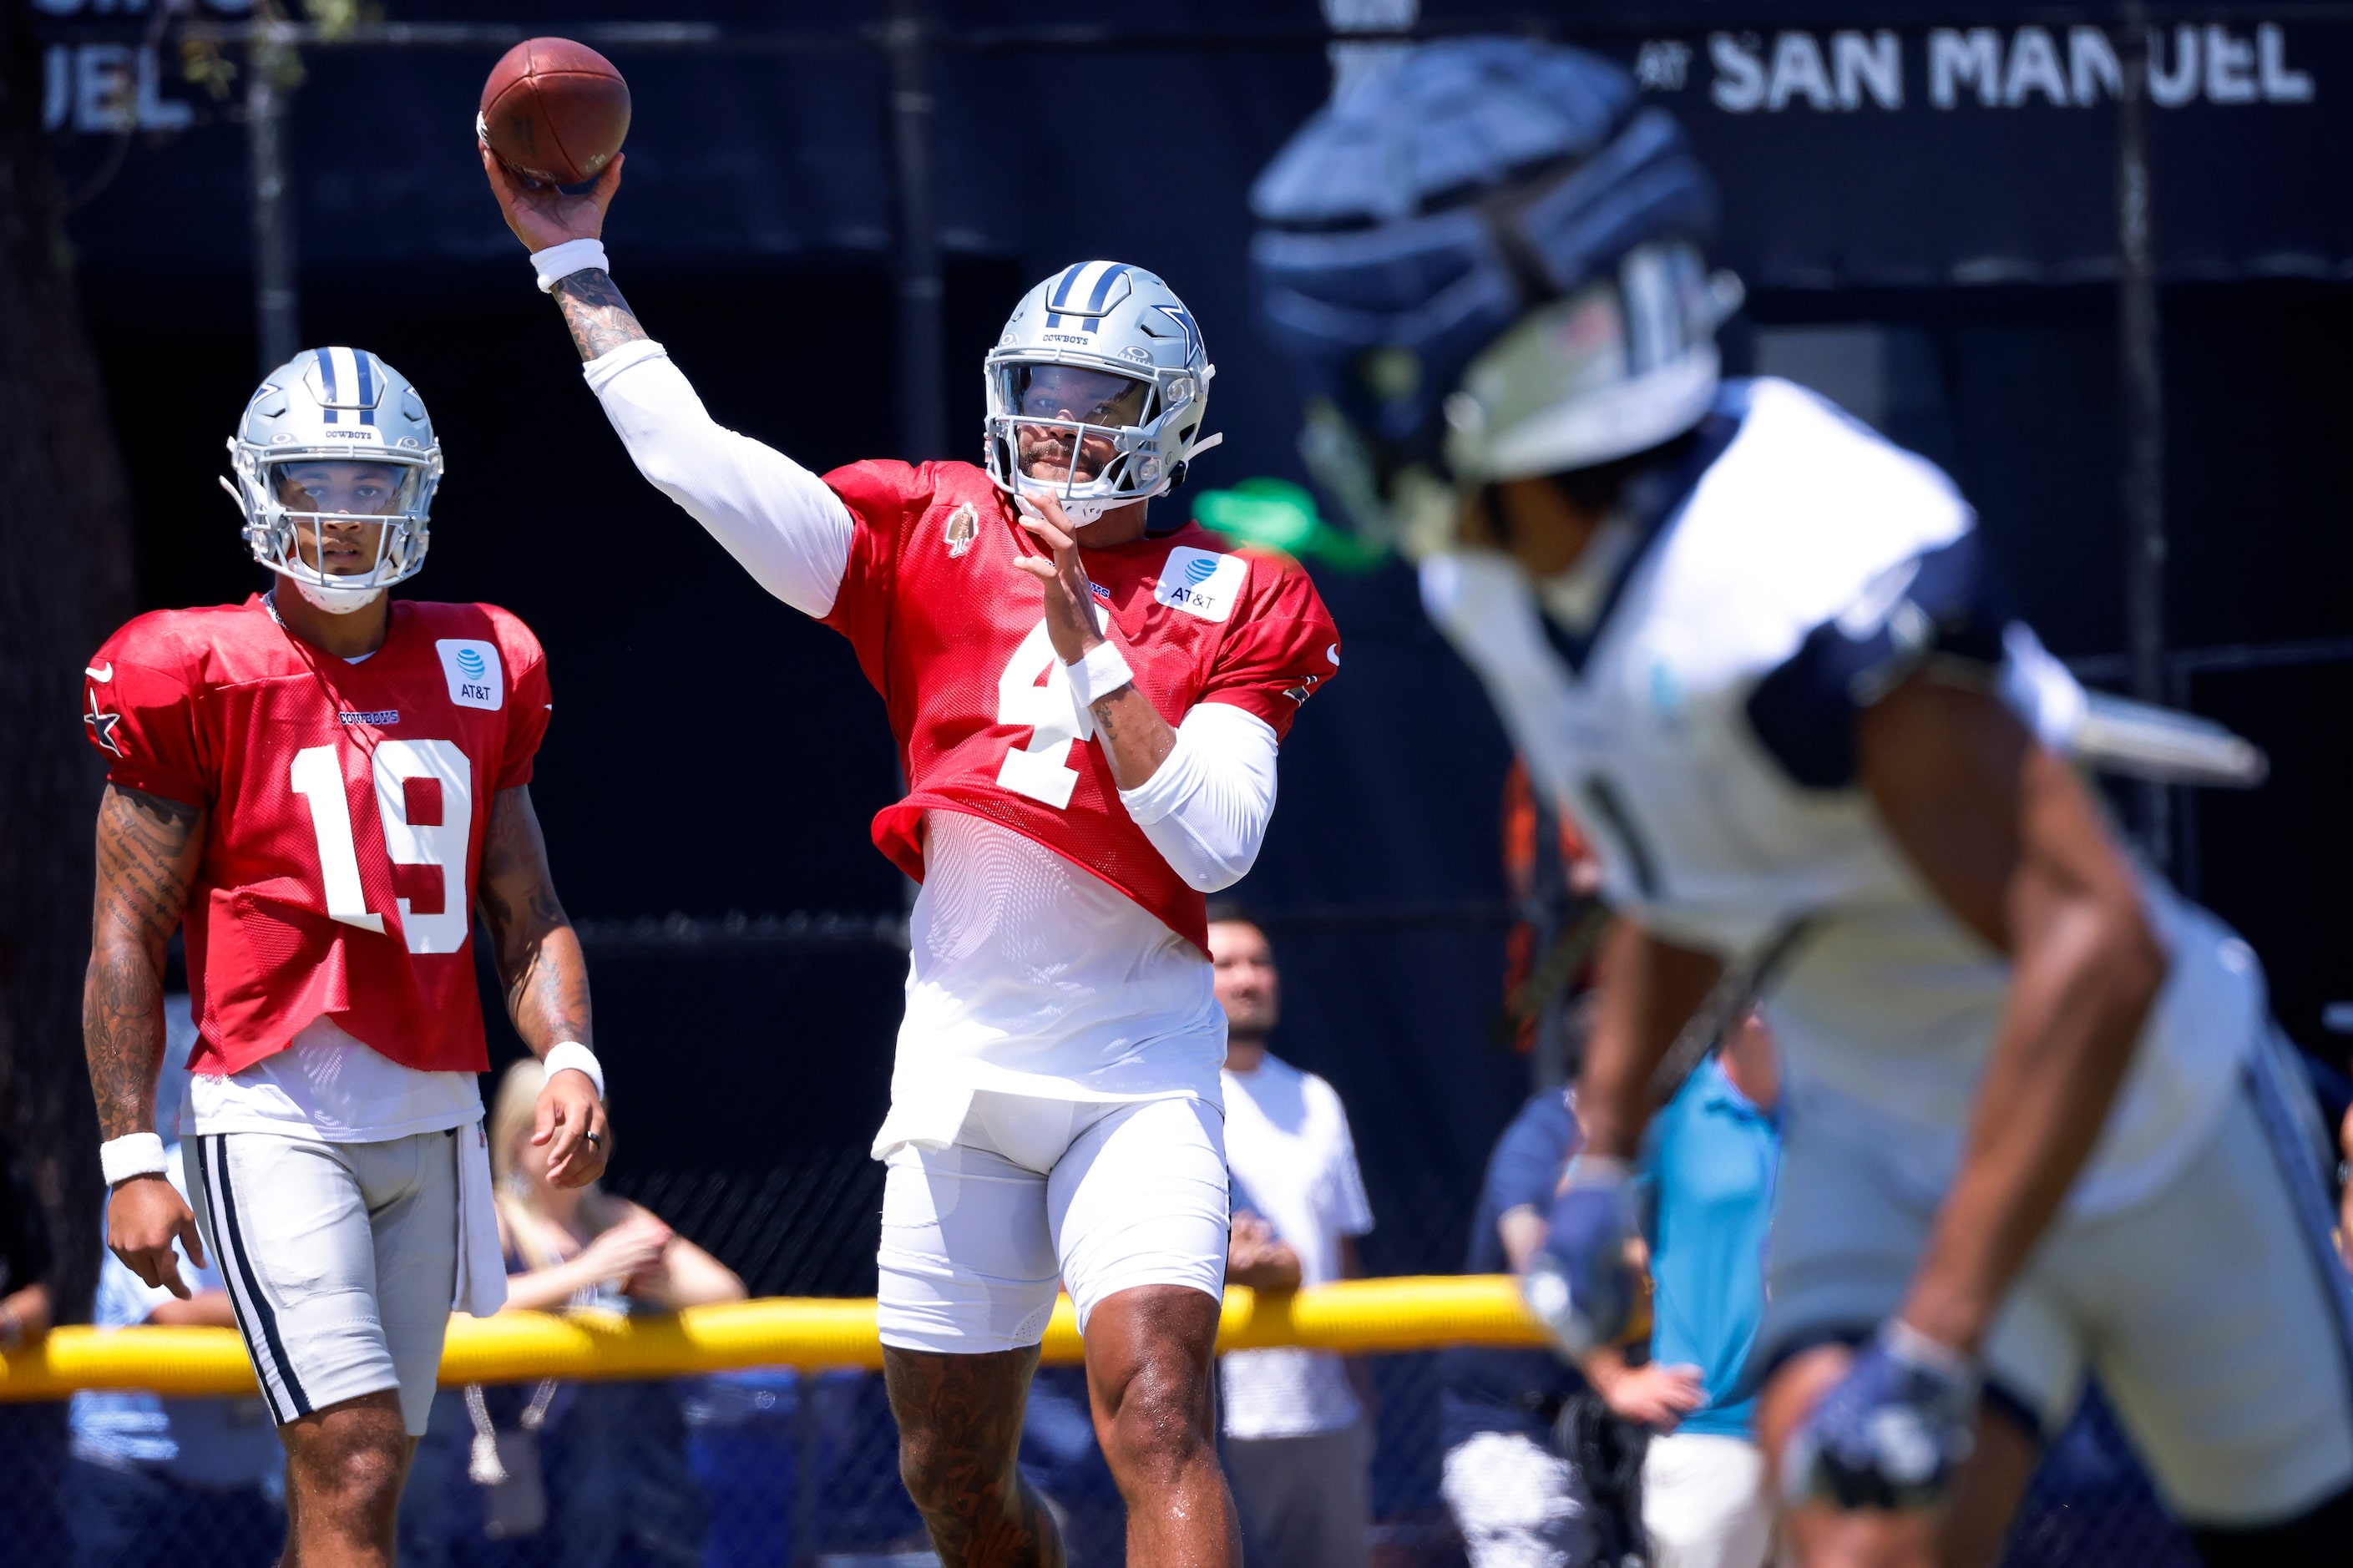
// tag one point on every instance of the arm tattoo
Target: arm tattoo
(600, 320)
(538, 953)
(959, 1430)
(148, 851)
(1137, 728)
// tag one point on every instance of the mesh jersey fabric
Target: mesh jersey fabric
(950, 632)
(223, 709)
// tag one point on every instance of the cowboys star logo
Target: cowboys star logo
(102, 727)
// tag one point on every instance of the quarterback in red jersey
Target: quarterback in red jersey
(318, 783)
(1088, 704)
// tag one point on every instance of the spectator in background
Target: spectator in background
(1299, 1443)
(606, 1483)
(581, 1247)
(32, 1436)
(1517, 1501)
(1708, 1168)
(197, 1483)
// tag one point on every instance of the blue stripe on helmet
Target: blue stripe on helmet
(327, 380)
(368, 387)
(1102, 286)
(1062, 293)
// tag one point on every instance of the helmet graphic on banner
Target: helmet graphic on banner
(335, 464)
(1097, 389)
(1489, 262)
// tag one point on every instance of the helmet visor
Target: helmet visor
(1066, 417)
(339, 509)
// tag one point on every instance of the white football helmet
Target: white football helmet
(1096, 391)
(335, 437)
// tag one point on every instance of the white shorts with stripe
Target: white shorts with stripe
(340, 1259)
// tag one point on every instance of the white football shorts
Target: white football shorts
(2216, 1314)
(1099, 1195)
(340, 1258)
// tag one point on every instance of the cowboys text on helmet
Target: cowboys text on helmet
(1097, 389)
(334, 466)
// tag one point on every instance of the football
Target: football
(554, 112)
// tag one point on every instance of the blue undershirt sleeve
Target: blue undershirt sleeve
(1945, 603)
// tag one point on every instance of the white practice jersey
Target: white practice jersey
(1689, 691)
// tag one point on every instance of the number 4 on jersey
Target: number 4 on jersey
(1050, 710)
(319, 779)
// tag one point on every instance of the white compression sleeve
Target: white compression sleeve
(778, 520)
(1206, 807)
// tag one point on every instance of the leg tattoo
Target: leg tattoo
(959, 1431)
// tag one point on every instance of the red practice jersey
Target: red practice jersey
(953, 634)
(347, 807)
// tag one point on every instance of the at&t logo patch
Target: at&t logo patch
(477, 679)
(1202, 582)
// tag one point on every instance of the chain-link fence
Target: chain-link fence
(779, 1468)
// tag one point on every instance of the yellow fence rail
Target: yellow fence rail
(1355, 1317)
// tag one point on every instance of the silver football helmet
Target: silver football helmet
(336, 445)
(1096, 391)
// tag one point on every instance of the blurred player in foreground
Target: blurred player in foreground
(319, 781)
(2038, 1120)
(1087, 706)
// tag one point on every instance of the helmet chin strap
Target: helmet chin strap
(336, 601)
(1080, 513)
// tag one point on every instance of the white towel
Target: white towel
(481, 1266)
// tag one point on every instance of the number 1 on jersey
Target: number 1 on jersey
(317, 777)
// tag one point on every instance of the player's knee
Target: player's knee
(944, 1474)
(1161, 1424)
(356, 1484)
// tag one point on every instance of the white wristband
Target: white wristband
(1104, 671)
(138, 1154)
(577, 1058)
(559, 261)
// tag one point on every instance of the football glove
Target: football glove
(1580, 1285)
(1894, 1431)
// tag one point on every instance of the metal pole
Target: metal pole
(276, 305)
(2140, 341)
(922, 386)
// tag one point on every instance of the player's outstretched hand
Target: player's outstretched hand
(541, 215)
(1070, 599)
(143, 1216)
(571, 1117)
(1892, 1433)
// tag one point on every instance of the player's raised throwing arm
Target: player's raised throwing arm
(777, 518)
(148, 851)
(545, 978)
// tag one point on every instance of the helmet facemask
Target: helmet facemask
(1093, 438)
(343, 526)
(1623, 364)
